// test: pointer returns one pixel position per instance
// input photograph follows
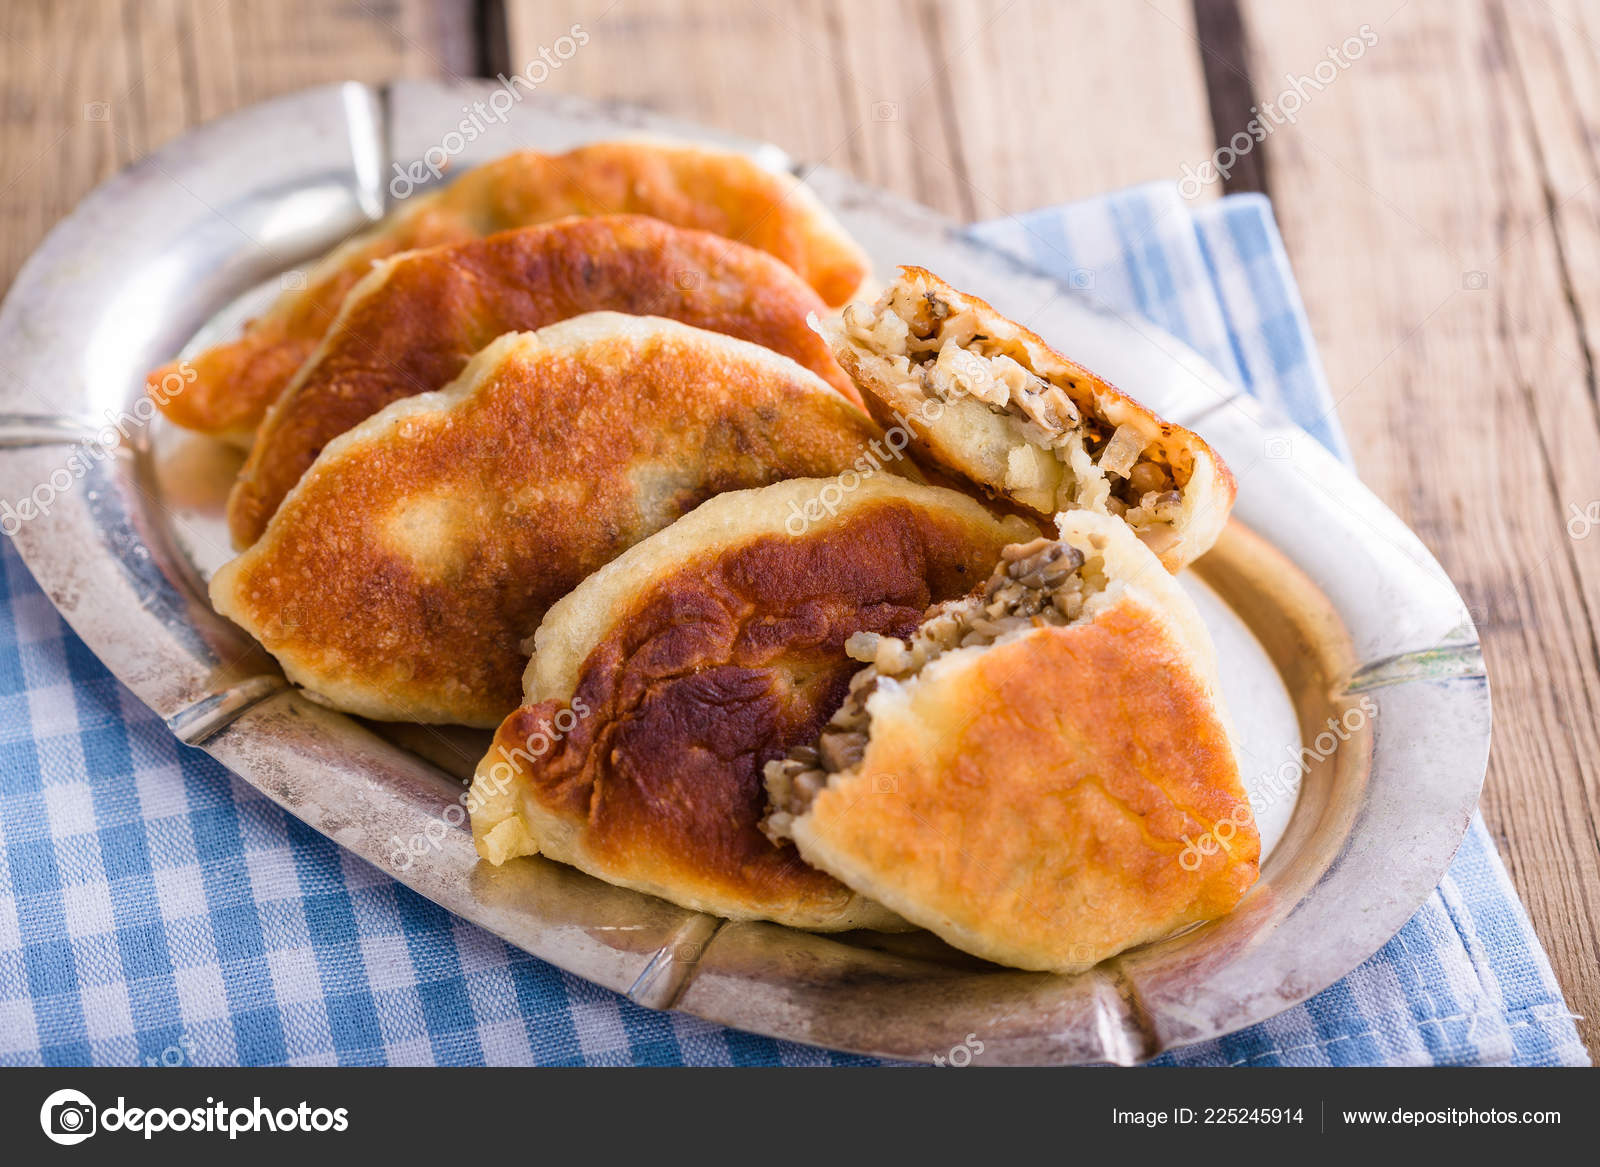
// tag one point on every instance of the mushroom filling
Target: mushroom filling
(1066, 457)
(1045, 582)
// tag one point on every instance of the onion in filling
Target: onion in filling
(1045, 582)
(1051, 454)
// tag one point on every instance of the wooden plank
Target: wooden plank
(91, 85)
(1224, 56)
(56, 140)
(810, 77)
(940, 102)
(1440, 201)
(1065, 100)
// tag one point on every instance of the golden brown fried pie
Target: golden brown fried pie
(411, 325)
(988, 400)
(722, 192)
(661, 685)
(1042, 775)
(400, 576)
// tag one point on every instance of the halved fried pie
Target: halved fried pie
(988, 400)
(1041, 773)
(661, 685)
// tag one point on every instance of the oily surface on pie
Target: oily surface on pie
(412, 326)
(717, 669)
(401, 576)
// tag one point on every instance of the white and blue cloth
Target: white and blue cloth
(156, 910)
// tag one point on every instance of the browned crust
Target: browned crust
(1032, 804)
(413, 324)
(400, 577)
(714, 670)
(724, 193)
(1091, 393)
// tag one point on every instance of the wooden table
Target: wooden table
(1440, 198)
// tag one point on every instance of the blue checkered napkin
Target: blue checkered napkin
(155, 909)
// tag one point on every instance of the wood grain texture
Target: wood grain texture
(1229, 89)
(976, 107)
(1440, 202)
(1057, 101)
(808, 76)
(89, 86)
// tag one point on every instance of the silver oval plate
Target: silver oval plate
(1350, 663)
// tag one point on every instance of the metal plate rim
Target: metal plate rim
(219, 716)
